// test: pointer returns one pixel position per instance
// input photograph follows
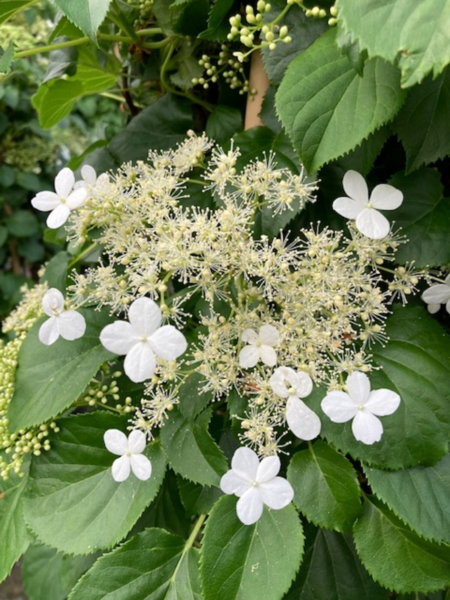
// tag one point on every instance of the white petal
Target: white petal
(45, 201)
(140, 362)
(302, 421)
(269, 335)
(250, 506)
(76, 198)
(437, 294)
(119, 337)
(447, 307)
(358, 387)
(121, 469)
(52, 302)
(277, 493)
(447, 279)
(348, 208)
(386, 197)
(303, 384)
(339, 407)
(79, 184)
(64, 182)
(268, 355)
(49, 332)
(248, 357)
(168, 343)
(233, 484)
(355, 186)
(116, 441)
(433, 308)
(268, 469)
(136, 442)
(145, 316)
(372, 224)
(58, 216)
(245, 464)
(383, 402)
(71, 325)
(278, 381)
(249, 336)
(367, 428)
(88, 174)
(141, 466)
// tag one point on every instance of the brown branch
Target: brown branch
(259, 82)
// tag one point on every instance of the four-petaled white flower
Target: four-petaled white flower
(69, 324)
(255, 484)
(89, 177)
(143, 338)
(369, 221)
(293, 385)
(63, 201)
(130, 451)
(436, 295)
(361, 405)
(260, 347)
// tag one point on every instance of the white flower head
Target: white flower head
(293, 385)
(369, 221)
(130, 451)
(69, 324)
(89, 177)
(361, 405)
(142, 339)
(260, 347)
(62, 201)
(255, 484)
(436, 295)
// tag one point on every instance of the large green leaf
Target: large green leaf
(50, 378)
(87, 15)
(331, 570)
(417, 33)
(218, 24)
(415, 365)
(423, 217)
(419, 496)
(192, 401)
(325, 486)
(13, 530)
(397, 557)
(191, 451)
(9, 8)
(6, 58)
(152, 565)
(197, 499)
(241, 562)
(50, 575)
(327, 108)
(428, 104)
(73, 503)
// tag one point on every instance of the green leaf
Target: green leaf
(351, 49)
(153, 564)
(50, 575)
(31, 249)
(418, 35)
(8, 8)
(415, 365)
(3, 235)
(56, 271)
(191, 451)
(188, 69)
(14, 535)
(325, 487)
(87, 15)
(61, 62)
(73, 504)
(218, 24)
(50, 378)
(192, 400)
(423, 126)
(395, 556)
(331, 570)
(6, 58)
(419, 496)
(223, 123)
(423, 217)
(327, 108)
(22, 223)
(197, 499)
(242, 562)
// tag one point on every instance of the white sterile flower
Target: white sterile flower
(287, 383)
(89, 177)
(142, 339)
(62, 201)
(361, 405)
(255, 484)
(436, 295)
(69, 324)
(369, 221)
(130, 451)
(260, 347)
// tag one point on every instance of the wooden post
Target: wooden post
(259, 82)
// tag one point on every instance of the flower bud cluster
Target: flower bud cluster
(224, 65)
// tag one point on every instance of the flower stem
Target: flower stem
(80, 256)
